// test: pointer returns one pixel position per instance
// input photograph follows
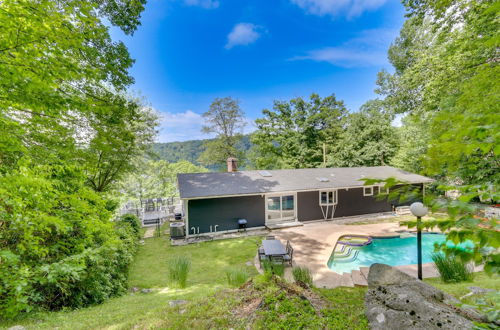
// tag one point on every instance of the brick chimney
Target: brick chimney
(232, 164)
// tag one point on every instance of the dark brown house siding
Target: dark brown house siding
(225, 212)
(350, 202)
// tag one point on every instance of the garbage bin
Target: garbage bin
(177, 230)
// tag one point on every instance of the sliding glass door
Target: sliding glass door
(280, 207)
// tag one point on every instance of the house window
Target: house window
(383, 191)
(368, 191)
(280, 207)
(328, 197)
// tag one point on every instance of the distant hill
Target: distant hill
(190, 150)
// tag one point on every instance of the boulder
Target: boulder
(395, 300)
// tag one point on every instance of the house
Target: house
(213, 202)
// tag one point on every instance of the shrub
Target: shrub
(302, 275)
(178, 269)
(452, 269)
(133, 221)
(236, 276)
(272, 268)
(60, 247)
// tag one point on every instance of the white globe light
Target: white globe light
(418, 209)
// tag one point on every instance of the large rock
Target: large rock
(395, 300)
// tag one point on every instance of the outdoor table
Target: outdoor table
(273, 248)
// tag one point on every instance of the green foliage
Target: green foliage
(273, 268)
(133, 221)
(155, 179)
(236, 276)
(59, 247)
(303, 275)
(447, 73)
(367, 139)
(293, 134)
(226, 120)
(451, 269)
(62, 85)
(178, 270)
(174, 152)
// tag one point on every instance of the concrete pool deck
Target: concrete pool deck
(313, 244)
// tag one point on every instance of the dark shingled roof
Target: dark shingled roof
(204, 185)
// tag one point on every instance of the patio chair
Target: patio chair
(262, 256)
(288, 257)
(270, 238)
(278, 259)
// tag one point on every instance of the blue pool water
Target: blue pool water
(391, 251)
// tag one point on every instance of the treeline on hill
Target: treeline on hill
(68, 133)
(191, 151)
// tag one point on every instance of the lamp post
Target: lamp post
(419, 210)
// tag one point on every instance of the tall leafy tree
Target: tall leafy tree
(59, 71)
(368, 138)
(294, 133)
(446, 61)
(226, 120)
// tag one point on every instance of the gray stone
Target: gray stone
(249, 263)
(17, 327)
(146, 290)
(173, 303)
(395, 300)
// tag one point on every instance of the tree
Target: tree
(117, 138)
(446, 62)
(368, 138)
(450, 84)
(226, 120)
(155, 179)
(59, 68)
(293, 134)
(413, 138)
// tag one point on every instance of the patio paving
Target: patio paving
(314, 242)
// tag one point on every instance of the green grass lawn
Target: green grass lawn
(460, 289)
(208, 262)
(212, 302)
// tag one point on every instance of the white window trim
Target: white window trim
(381, 190)
(281, 205)
(365, 193)
(335, 197)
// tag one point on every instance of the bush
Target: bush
(178, 269)
(452, 269)
(236, 276)
(60, 247)
(272, 268)
(302, 275)
(133, 221)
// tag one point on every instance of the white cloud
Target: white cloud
(207, 4)
(184, 126)
(350, 8)
(243, 34)
(369, 48)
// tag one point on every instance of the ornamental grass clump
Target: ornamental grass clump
(302, 275)
(178, 270)
(236, 276)
(452, 269)
(272, 268)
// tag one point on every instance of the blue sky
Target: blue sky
(188, 52)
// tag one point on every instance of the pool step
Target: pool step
(364, 271)
(346, 280)
(358, 278)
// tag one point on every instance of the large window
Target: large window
(281, 207)
(328, 197)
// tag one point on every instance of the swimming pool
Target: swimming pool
(391, 251)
